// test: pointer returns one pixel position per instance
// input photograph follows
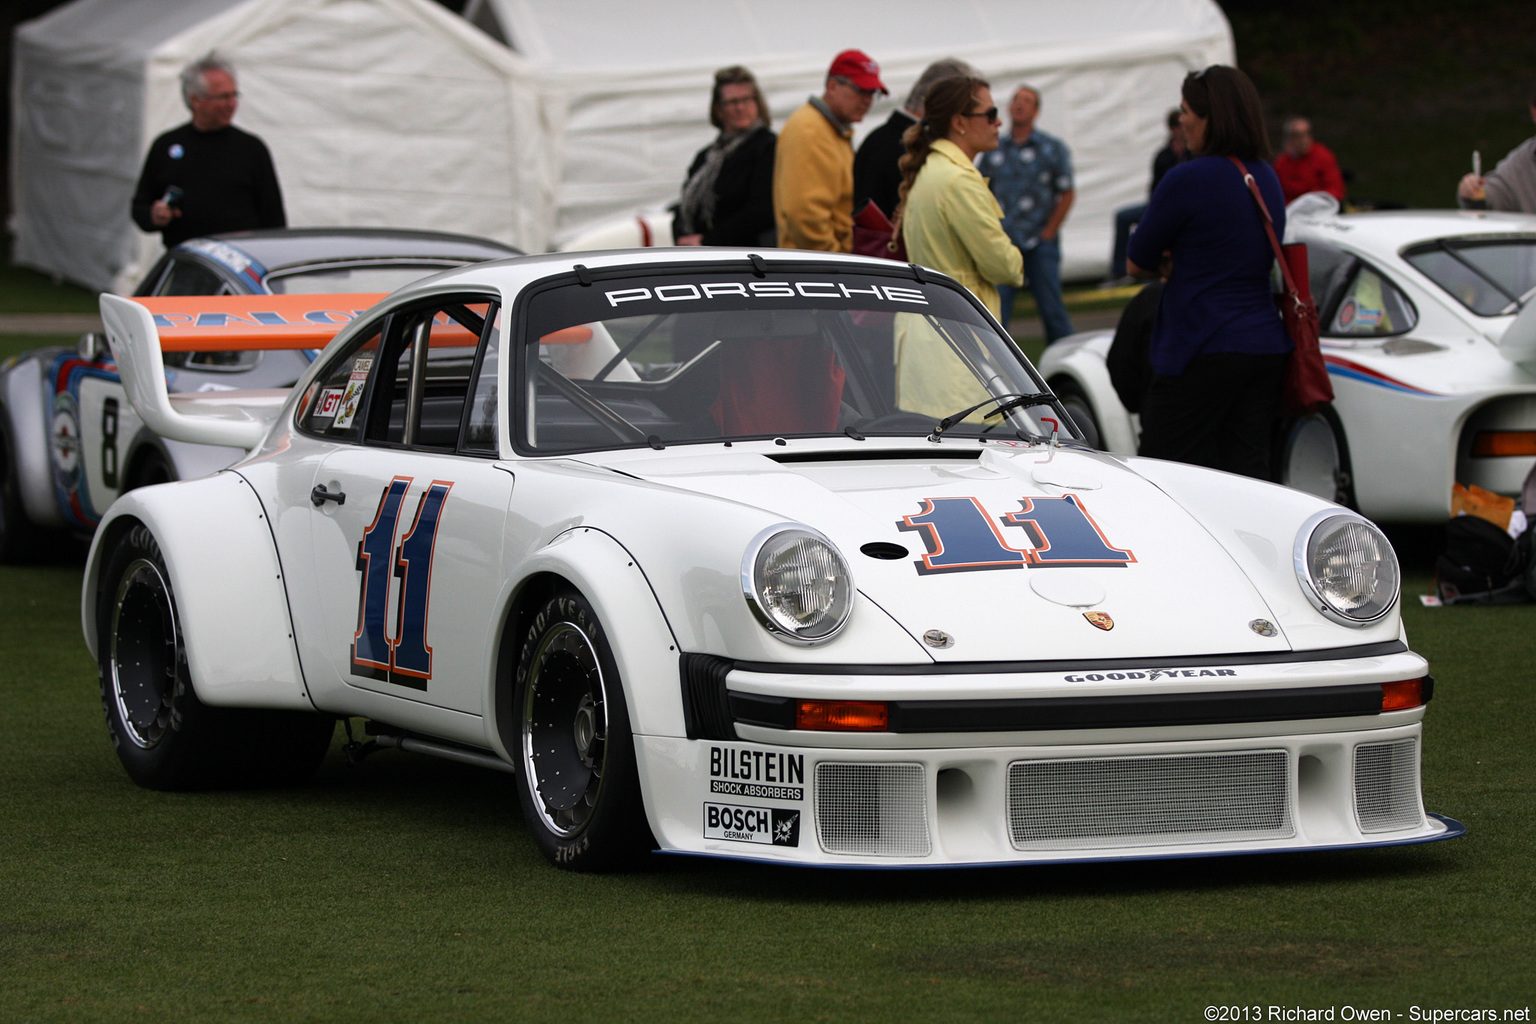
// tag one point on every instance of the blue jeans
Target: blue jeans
(1042, 269)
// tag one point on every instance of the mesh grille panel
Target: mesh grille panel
(873, 809)
(1148, 801)
(1387, 786)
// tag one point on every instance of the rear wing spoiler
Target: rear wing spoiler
(139, 330)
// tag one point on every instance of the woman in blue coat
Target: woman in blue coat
(1219, 347)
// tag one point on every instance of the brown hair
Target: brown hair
(735, 75)
(946, 98)
(1226, 98)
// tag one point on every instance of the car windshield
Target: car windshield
(352, 279)
(713, 356)
(1491, 278)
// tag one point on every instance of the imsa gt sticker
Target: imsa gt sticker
(766, 826)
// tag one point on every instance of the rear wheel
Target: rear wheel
(165, 736)
(580, 788)
(18, 537)
(1314, 457)
(151, 468)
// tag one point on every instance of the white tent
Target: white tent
(627, 85)
(377, 112)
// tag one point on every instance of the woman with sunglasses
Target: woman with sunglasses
(950, 221)
(1218, 347)
(946, 214)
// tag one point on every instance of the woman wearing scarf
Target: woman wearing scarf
(728, 197)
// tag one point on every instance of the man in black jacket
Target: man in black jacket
(207, 176)
(875, 174)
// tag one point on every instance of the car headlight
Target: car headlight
(797, 584)
(1347, 568)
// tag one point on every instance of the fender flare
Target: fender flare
(231, 594)
(641, 638)
(1091, 376)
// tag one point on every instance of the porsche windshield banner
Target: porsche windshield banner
(715, 291)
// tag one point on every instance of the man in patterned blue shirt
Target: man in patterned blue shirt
(1031, 175)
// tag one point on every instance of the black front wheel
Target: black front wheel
(580, 788)
(1081, 410)
(165, 736)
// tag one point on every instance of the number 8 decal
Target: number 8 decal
(406, 659)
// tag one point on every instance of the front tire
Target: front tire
(579, 786)
(1081, 410)
(1313, 456)
(165, 736)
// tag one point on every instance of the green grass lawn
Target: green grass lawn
(27, 291)
(407, 889)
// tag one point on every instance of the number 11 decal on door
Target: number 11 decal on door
(404, 659)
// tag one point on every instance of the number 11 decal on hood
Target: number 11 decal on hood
(962, 536)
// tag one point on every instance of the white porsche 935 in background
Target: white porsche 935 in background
(1430, 339)
(768, 556)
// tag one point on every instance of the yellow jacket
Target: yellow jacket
(953, 224)
(813, 184)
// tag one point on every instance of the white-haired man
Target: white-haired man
(207, 176)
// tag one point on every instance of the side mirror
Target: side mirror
(93, 347)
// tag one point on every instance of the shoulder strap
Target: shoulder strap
(1269, 224)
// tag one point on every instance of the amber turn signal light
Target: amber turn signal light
(1493, 443)
(1399, 696)
(842, 715)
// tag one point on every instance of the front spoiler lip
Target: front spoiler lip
(1453, 830)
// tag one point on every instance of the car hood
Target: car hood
(1033, 553)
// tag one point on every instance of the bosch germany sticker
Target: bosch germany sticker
(767, 826)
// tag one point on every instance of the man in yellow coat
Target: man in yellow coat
(813, 165)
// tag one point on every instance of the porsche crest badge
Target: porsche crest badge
(1100, 619)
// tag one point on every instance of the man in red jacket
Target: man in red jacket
(1304, 165)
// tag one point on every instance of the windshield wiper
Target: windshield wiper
(1005, 403)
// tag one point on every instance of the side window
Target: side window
(1371, 307)
(408, 382)
(480, 435)
(334, 400)
(1327, 270)
(187, 277)
(422, 383)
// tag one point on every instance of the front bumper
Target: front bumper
(1073, 790)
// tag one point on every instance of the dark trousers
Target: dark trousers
(1220, 412)
(1126, 219)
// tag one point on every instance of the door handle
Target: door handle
(319, 496)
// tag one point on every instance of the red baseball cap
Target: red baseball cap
(856, 66)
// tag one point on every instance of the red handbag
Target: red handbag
(872, 231)
(1306, 386)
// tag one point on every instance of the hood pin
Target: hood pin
(938, 638)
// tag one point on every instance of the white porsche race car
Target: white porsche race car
(1430, 339)
(777, 556)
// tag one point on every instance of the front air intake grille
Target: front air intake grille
(878, 810)
(706, 705)
(1387, 786)
(1149, 801)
